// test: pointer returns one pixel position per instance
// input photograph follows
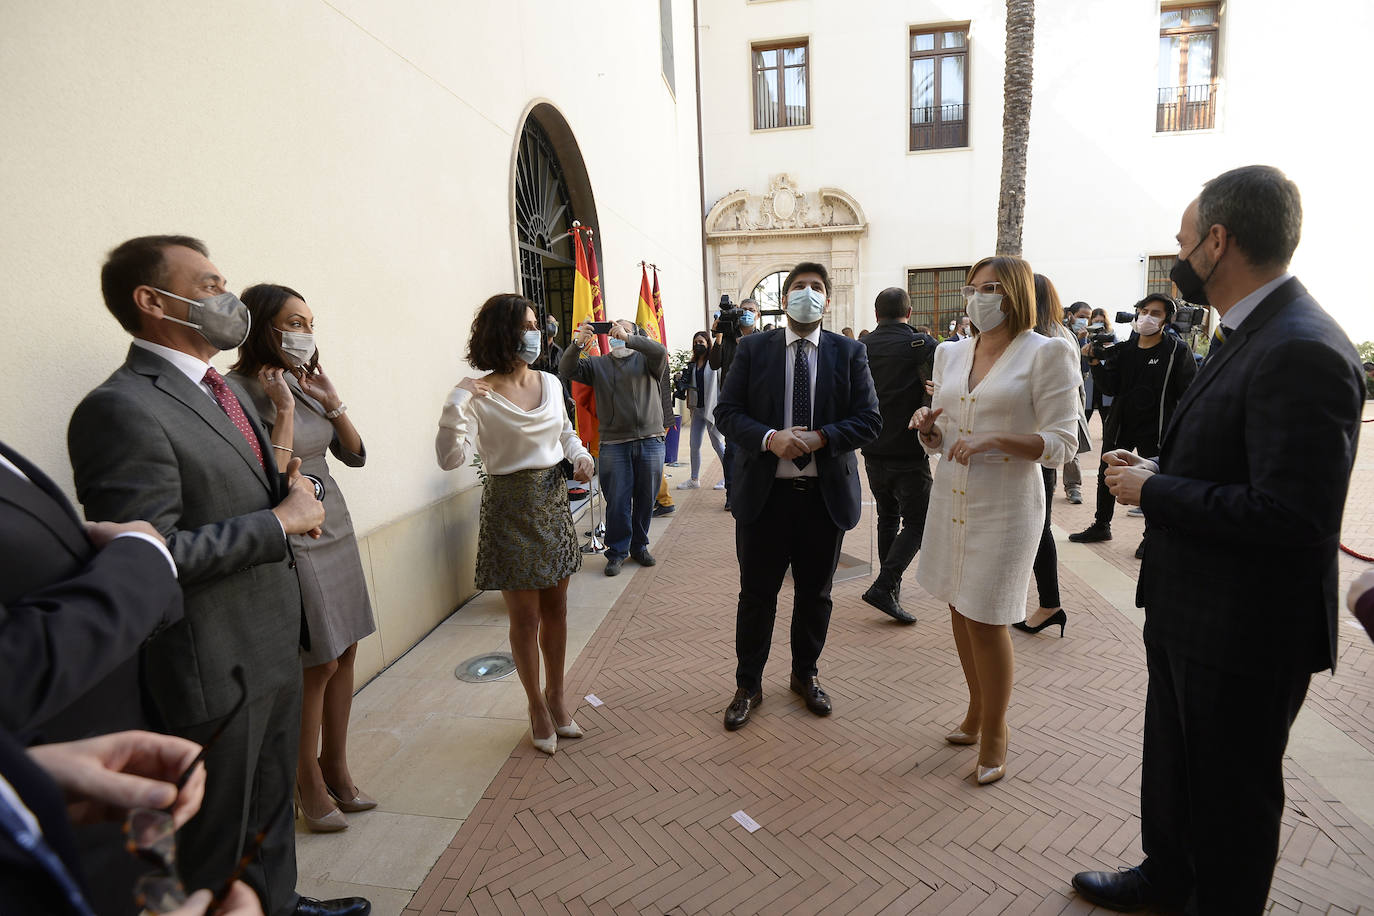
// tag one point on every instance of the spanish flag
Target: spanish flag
(646, 317)
(587, 307)
(658, 310)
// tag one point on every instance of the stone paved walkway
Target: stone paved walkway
(870, 811)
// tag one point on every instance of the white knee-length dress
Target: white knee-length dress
(985, 518)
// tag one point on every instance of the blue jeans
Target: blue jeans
(702, 424)
(630, 473)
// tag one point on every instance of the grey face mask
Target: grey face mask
(222, 320)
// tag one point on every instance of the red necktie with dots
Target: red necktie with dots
(231, 406)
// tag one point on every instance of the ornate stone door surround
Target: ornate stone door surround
(750, 236)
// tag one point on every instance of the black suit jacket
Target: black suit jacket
(902, 360)
(71, 618)
(1245, 515)
(846, 411)
(25, 886)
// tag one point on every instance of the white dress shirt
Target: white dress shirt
(1242, 309)
(812, 342)
(193, 367)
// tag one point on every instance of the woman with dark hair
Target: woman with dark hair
(703, 383)
(279, 365)
(526, 543)
(1046, 566)
(1005, 401)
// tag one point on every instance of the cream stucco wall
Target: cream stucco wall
(360, 151)
(1103, 189)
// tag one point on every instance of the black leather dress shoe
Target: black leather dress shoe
(817, 700)
(740, 707)
(343, 906)
(886, 601)
(1125, 890)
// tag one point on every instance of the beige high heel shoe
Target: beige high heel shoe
(332, 822)
(986, 774)
(959, 736)
(571, 730)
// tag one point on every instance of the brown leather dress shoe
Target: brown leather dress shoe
(817, 700)
(740, 707)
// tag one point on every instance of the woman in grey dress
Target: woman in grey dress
(280, 367)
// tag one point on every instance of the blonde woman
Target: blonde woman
(1006, 400)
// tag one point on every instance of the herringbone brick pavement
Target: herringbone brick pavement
(868, 811)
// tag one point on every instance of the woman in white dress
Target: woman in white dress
(1006, 400)
(526, 543)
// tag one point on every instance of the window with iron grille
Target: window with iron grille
(936, 299)
(1187, 98)
(781, 80)
(939, 88)
(1157, 276)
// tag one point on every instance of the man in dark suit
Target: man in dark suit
(166, 438)
(75, 605)
(902, 360)
(1239, 576)
(797, 403)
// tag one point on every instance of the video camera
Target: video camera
(1103, 342)
(728, 320)
(1188, 318)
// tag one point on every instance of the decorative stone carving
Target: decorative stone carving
(751, 235)
(784, 207)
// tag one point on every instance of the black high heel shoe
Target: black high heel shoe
(1058, 617)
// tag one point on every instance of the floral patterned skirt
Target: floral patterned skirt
(526, 537)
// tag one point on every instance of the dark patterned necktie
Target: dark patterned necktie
(233, 409)
(1218, 341)
(801, 396)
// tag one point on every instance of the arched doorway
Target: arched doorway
(549, 190)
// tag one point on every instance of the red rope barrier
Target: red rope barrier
(1358, 556)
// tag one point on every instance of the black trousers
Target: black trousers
(901, 494)
(1211, 786)
(250, 774)
(1145, 446)
(794, 530)
(1046, 566)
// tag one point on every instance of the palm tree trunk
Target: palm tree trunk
(1016, 111)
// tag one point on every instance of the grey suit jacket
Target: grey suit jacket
(150, 444)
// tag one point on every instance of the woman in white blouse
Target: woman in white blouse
(526, 545)
(1005, 400)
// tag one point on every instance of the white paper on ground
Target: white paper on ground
(593, 699)
(745, 821)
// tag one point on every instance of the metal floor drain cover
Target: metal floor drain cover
(482, 668)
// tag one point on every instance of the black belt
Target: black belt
(799, 484)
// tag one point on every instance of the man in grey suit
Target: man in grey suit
(167, 439)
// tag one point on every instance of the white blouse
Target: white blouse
(508, 438)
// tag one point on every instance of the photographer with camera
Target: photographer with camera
(730, 325)
(1146, 376)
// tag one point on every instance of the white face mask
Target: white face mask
(805, 306)
(298, 347)
(1146, 325)
(985, 310)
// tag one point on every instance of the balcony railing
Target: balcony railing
(939, 127)
(1186, 108)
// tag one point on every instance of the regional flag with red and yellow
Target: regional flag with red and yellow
(646, 316)
(658, 310)
(587, 307)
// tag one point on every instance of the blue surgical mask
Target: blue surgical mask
(617, 343)
(530, 345)
(747, 319)
(805, 306)
(1080, 324)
